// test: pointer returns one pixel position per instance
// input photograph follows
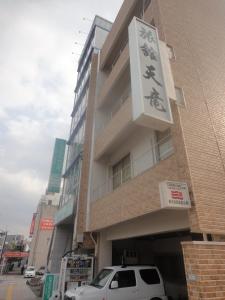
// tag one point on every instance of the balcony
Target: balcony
(116, 73)
(114, 37)
(65, 213)
(137, 197)
(114, 132)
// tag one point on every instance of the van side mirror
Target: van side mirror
(114, 285)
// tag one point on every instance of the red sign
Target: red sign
(177, 195)
(32, 224)
(15, 254)
(46, 224)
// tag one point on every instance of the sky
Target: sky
(39, 49)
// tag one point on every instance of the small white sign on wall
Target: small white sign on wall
(174, 194)
(150, 102)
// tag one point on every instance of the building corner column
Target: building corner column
(104, 257)
(205, 269)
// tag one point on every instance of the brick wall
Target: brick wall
(141, 194)
(195, 29)
(134, 198)
(205, 270)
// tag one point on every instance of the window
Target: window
(121, 171)
(150, 276)
(153, 23)
(180, 96)
(170, 52)
(125, 279)
(164, 144)
(102, 278)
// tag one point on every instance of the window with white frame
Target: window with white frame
(121, 171)
(164, 146)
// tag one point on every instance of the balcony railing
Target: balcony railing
(138, 165)
(111, 113)
(124, 44)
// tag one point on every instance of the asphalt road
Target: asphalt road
(13, 287)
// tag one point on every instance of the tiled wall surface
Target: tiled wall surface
(195, 29)
(134, 198)
(205, 270)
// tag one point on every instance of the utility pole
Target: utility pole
(2, 249)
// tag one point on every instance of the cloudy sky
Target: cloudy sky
(37, 79)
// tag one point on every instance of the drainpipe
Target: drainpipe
(95, 243)
(96, 252)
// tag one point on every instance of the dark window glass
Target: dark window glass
(150, 276)
(125, 279)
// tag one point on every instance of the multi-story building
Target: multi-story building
(42, 225)
(79, 143)
(42, 233)
(54, 182)
(137, 161)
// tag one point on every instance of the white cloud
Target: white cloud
(37, 79)
(24, 180)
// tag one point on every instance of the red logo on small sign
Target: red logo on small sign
(177, 195)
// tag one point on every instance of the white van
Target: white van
(122, 283)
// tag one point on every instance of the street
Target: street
(13, 287)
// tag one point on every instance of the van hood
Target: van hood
(83, 290)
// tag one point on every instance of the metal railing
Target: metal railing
(124, 44)
(114, 110)
(137, 166)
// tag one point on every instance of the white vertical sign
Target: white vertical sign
(151, 106)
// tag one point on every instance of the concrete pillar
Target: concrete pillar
(205, 270)
(62, 242)
(104, 251)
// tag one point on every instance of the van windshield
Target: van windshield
(101, 279)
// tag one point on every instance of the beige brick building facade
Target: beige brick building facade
(195, 152)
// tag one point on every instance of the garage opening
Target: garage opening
(161, 250)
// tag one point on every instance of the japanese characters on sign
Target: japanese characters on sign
(149, 97)
(46, 224)
(174, 194)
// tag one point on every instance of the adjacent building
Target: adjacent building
(54, 182)
(156, 187)
(42, 225)
(76, 174)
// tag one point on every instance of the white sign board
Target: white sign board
(150, 102)
(174, 194)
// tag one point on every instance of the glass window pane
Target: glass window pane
(164, 144)
(150, 276)
(121, 171)
(125, 279)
